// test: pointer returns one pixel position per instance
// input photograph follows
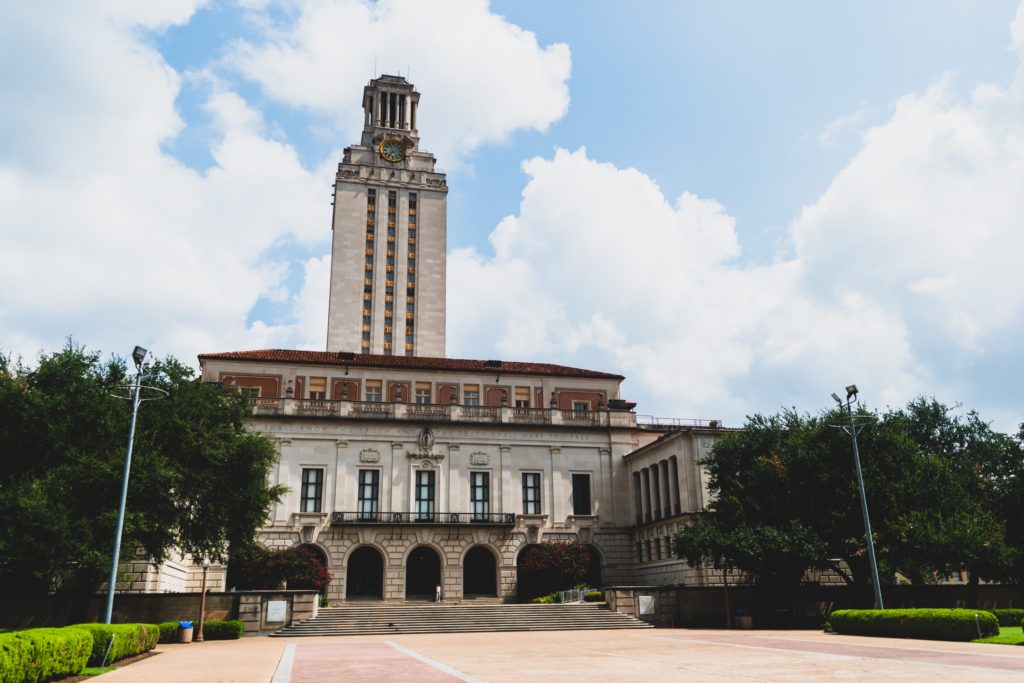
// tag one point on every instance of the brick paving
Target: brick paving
(593, 656)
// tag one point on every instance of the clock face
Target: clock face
(392, 150)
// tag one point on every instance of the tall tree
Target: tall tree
(785, 497)
(199, 478)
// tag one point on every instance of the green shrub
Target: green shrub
(593, 596)
(1008, 617)
(223, 630)
(548, 599)
(168, 631)
(39, 654)
(930, 624)
(129, 640)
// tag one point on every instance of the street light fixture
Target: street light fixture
(135, 390)
(853, 430)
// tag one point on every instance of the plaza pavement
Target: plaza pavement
(630, 655)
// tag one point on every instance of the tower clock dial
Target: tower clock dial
(392, 150)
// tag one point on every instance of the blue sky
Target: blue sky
(753, 205)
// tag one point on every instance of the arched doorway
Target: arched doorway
(365, 576)
(422, 573)
(479, 572)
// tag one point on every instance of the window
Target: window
(318, 388)
(312, 489)
(373, 390)
(422, 393)
(522, 397)
(471, 394)
(369, 491)
(581, 494)
(531, 493)
(581, 405)
(479, 494)
(425, 496)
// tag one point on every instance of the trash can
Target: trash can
(184, 631)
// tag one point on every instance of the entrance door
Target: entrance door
(422, 573)
(479, 573)
(365, 576)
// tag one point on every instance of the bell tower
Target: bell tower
(388, 249)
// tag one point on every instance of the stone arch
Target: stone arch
(595, 574)
(480, 571)
(423, 571)
(364, 573)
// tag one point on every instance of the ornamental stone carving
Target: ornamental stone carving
(479, 458)
(369, 455)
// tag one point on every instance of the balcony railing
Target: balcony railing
(439, 412)
(507, 519)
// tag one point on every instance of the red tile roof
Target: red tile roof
(363, 360)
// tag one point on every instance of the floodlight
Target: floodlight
(836, 398)
(139, 355)
(851, 391)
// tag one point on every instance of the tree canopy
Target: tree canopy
(198, 483)
(943, 489)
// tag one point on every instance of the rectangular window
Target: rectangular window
(312, 489)
(531, 493)
(522, 397)
(425, 496)
(374, 392)
(581, 405)
(581, 494)
(369, 492)
(471, 394)
(480, 494)
(318, 388)
(422, 393)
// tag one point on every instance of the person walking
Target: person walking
(437, 594)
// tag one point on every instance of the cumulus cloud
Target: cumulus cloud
(105, 236)
(482, 76)
(904, 277)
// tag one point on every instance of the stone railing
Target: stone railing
(437, 412)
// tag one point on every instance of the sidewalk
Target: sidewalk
(642, 655)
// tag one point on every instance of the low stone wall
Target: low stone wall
(804, 607)
(152, 608)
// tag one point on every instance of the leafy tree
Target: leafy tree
(300, 567)
(939, 489)
(199, 478)
(552, 566)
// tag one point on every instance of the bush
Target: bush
(930, 624)
(129, 640)
(223, 630)
(212, 630)
(593, 596)
(1008, 617)
(39, 654)
(548, 599)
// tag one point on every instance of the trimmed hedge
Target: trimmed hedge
(39, 654)
(129, 640)
(593, 596)
(930, 624)
(212, 630)
(1008, 617)
(223, 630)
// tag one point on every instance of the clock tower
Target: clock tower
(387, 291)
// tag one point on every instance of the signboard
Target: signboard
(646, 604)
(277, 611)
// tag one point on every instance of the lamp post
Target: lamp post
(135, 395)
(853, 429)
(202, 601)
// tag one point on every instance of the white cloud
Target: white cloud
(482, 77)
(905, 276)
(105, 236)
(838, 126)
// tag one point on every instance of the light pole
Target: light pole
(135, 396)
(202, 601)
(852, 430)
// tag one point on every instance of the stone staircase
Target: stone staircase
(387, 619)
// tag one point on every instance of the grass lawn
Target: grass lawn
(97, 670)
(1008, 635)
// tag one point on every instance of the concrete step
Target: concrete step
(363, 619)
